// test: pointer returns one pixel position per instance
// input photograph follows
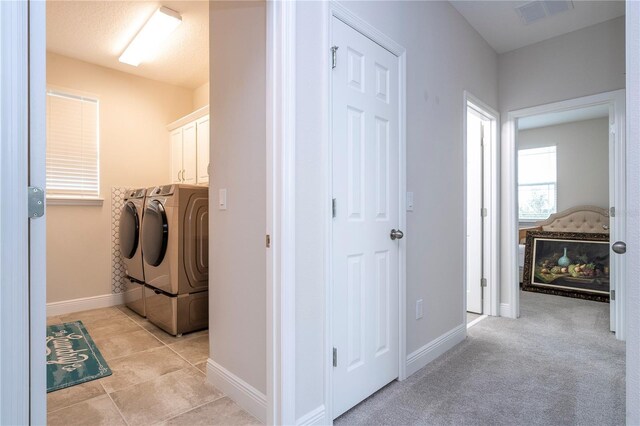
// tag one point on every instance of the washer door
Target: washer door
(155, 232)
(129, 230)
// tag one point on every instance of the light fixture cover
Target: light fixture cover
(149, 39)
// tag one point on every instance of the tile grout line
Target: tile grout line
(222, 395)
(156, 337)
(76, 403)
(188, 362)
(167, 345)
(115, 405)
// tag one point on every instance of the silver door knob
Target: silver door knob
(396, 234)
(619, 247)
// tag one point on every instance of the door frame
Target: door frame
(633, 210)
(38, 227)
(22, 252)
(336, 10)
(491, 199)
(280, 226)
(616, 102)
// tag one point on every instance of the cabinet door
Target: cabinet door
(203, 151)
(176, 155)
(189, 153)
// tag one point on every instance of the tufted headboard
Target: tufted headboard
(578, 219)
(587, 219)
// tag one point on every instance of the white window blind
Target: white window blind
(537, 183)
(72, 146)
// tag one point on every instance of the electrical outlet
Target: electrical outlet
(419, 309)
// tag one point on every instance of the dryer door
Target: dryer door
(129, 230)
(155, 233)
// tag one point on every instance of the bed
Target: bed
(587, 219)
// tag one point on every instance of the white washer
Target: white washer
(175, 238)
(131, 248)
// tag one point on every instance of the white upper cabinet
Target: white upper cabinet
(202, 166)
(176, 155)
(189, 138)
(189, 150)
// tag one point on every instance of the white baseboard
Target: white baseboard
(505, 310)
(475, 321)
(432, 350)
(314, 417)
(84, 304)
(246, 396)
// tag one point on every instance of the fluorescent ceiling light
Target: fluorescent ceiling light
(149, 39)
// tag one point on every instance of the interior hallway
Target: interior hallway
(556, 365)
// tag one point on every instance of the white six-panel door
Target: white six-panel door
(365, 137)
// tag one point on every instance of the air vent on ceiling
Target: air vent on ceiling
(536, 10)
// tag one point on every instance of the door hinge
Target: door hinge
(612, 212)
(483, 282)
(483, 212)
(333, 207)
(268, 241)
(612, 295)
(334, 56)
(335, 357)
(36, 202)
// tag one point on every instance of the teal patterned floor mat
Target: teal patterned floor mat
(72, 357)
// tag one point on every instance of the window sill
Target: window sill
(54, 201)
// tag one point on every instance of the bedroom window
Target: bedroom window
(537, 188)
(73, 172)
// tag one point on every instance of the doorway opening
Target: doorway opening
(481, 269)
(569, 185)
(127, 143)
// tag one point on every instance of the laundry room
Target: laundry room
(127, 203)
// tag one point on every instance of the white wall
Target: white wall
(237, 261)
(581, 63)
(134, 152)
(582, 156)
(201, 96)
(444, 57)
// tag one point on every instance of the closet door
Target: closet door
(202, 168)
(176, 155)
(189, 154)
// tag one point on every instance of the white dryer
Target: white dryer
(131, 248)
(175, 238)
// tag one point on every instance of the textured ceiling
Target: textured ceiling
(499, 24)
(99, 31)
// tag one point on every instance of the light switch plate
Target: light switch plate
(409, 201)
(222, 199)
(419, 309)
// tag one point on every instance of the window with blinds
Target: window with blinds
(537, 178)
(72, 146)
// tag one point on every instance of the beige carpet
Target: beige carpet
(556, 365)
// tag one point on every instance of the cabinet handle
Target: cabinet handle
(178, 175)
(183, 170)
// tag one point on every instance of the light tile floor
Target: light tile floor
(157, 378)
